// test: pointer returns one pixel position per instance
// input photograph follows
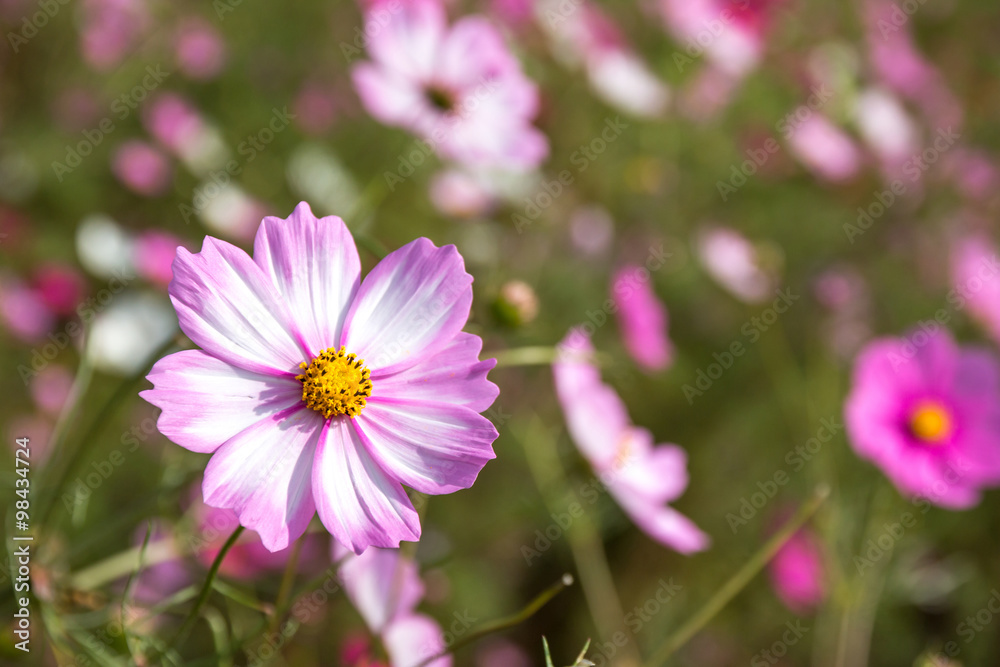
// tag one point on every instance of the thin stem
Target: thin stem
(524, 356)
(507, 621)
(112, 405)
(738, 581)
(584, 539)
(206, 589)
(287, 579)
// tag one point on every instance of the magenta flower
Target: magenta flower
(642, 318)
(317, 392)
(797, 573)
(458, 88)
(199, 48)
(386, 588)
(153, 253)
(928, 414)
(639, 476)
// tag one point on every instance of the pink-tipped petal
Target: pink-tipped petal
(357, 501)
(413, 639)
(661, 522)
(314, 265)
(409, 307)
(263, 474)
(407, 39)
(453, 375)
(205, 401)
(382, 585)
(230, 308)
(432, 447)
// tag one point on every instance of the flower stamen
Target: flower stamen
(335, 383)
(931, 423)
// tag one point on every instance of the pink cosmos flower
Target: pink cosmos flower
(141, 167)
(385, 588)
(60, 287)
(51, 387)
(458, 88)
(200, 49)
(317, 392)
(22, 311)
(975, 274)
(642, 318)
(928, 414)
(735, 263)
(111, 29)
(248, 559)
(825, 149)
(639, 476)
(901, 66)
(618, 75)
(461, 194)
(797, 572)
(153, 253)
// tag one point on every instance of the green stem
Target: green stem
(584, 539)
(738, 581)
(113, 404)
(287, 579)
(507, 621)
(206, 590)
(524, 356)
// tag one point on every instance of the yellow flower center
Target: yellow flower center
(335, 383)
(931, 422)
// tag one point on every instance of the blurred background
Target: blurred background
(789, 178)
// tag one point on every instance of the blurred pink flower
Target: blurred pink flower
(315, 107)
(825, 149)
(459, 194)
(731, 34)
(174, 122)
(642, 319)
(297, 421)
(842, 290)
(153, 254)
(111, 29)
(888, 130)
(142, 168)
(639, 476)
(248, 558)
(459, 88)
(199, 48)
(974, 172)
(386, 588)
(797, 572)
(975, 274)
(23, 311)
(618, 75)
(61, 287)
(591, 230)
(735, 263)
(903, 68)
(514, 13)
(51, 388)
(927, 412)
